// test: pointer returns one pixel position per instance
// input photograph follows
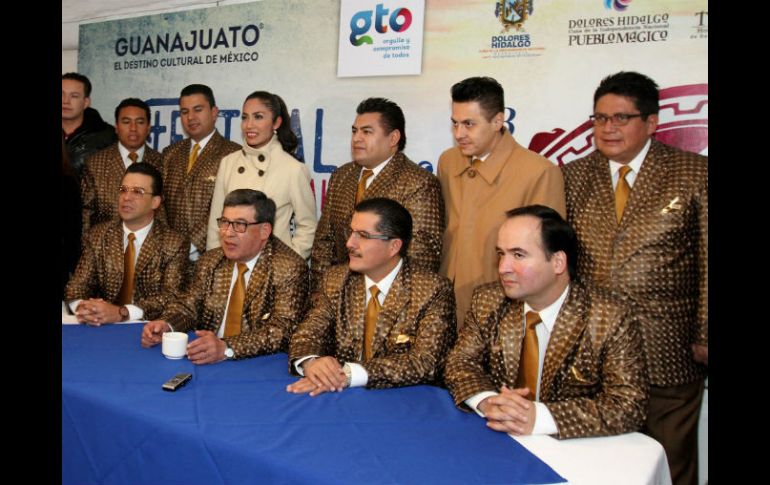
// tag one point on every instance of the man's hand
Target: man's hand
(510, 411)
(323, 374)
(97, 312)
(152, 333)
(699, 352)
(206, 349)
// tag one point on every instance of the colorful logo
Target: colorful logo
(513, 13)
(619, 5)
(361, 22)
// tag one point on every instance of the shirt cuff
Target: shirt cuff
(297, 363)
(134, 312)
(474, 401)
(544, 423)
(74, 305)
(358, 375)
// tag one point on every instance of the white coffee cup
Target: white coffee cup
(174, 345)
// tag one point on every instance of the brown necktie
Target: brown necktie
(370, 321)
(622, 191)
(235, 307)
(529, 357)
(193, 157)
(126, 294)
(362, 184)
(133, 156)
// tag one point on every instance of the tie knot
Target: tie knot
(374, 291)
(196, 148)
(624, 171)
(242, 268)
(131, 236)
(533, 318)
(367, 172)
(133, 156)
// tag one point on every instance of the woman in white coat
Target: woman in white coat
(264, 163)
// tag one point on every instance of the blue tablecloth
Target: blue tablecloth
(235, 423)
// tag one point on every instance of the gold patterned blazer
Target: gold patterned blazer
(594, 380)
(275, 301)
(414, 332)
(656, 258)
(102, 174)
(401, 180)
(158, 275)
(187, 197)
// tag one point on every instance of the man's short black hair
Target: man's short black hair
(395, 221)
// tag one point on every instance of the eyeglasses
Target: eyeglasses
(367, 236)
(618, 119)
(138, 191)
(238, 226)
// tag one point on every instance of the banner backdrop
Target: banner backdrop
(548, 55)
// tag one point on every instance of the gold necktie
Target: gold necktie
(235, 307)
(362, 184)
(133, 156)
(126, 294)
(370, 321)
(193, 157)
(474, 167)
(530, 355)
(622, 191)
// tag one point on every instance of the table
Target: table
(235, 423)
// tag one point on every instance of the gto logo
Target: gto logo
(361, 22)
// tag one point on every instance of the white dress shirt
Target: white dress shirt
(124, 152)
(635, 165)
(376, 171)
(233, 279)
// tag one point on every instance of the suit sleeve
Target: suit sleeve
(289, 307)
(423, 362)
(621, 405)
(427, 209)
(315, 335)
(173, 268)
(303, 205)
(467, 367)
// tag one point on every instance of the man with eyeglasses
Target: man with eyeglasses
(132, 267)
(640, 209)
(487, 173)
(376, 321)
(104, 169)
(247, 295)
(379, 169)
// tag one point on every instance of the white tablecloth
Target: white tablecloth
(627, 459)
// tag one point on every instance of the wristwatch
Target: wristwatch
(229, 353)
(348, 374)
(123, 313)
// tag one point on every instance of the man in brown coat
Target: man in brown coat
(486, 174)
(380, 169)
(102, 289)
(377, 321)
(104, 169)
(247, 295)
(190, 166)
(640, 209)
(541, 354)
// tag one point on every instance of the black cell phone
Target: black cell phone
(176, 382)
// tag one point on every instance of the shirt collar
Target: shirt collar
(125, 151)
(201, 143)
(384, 284)
(636, 163)
(378, 168)
(548, 314)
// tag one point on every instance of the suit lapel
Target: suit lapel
(351, 337)
(381, 186)
(114, 258)
(511, 337)
(118, 167)
(259, 277)
(150, 246)
(396, 300)
(569, 326)
(223, 275)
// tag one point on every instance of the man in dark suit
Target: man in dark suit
(190, 166)
(640, 209)
(379, 169)
(247, 295)
(104, 170)
(539, 353)
(377, 321)
(131, 267)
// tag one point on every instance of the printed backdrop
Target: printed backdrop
(548, 55)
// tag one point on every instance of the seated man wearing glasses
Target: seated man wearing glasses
(376, 321)
(246, 296)
(132, 267)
